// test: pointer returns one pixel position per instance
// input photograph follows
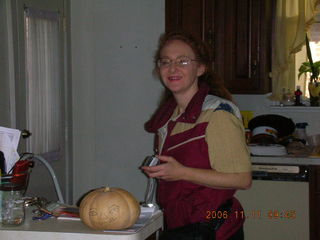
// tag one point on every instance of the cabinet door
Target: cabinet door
(314, 200)
(192, 16)
(238, 34)
(243, 44)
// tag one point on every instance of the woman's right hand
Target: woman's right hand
(170, 169)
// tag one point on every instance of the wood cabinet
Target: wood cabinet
(314, 201)
(238, 34)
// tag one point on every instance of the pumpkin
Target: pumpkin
(109, 209)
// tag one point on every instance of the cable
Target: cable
(48, 166)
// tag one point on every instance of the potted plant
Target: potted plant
(314, 69)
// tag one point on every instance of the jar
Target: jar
(300, 131)
(13, 210)
(287, 98)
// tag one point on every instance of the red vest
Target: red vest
(185, 202)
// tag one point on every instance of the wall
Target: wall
(114, 92)
(5, 68)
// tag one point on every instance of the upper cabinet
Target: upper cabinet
(238, 34)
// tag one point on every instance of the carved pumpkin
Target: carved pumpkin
(109, 209)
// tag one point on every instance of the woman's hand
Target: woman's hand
(170, 170)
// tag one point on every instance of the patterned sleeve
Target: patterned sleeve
(227, 148)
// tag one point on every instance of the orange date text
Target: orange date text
(215, 214)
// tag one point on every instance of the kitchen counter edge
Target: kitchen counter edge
(288, 160)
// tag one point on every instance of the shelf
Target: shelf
(294, 109)
(286, 160)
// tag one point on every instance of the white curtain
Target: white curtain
(43, 77)
(292, 19)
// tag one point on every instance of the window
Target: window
(292, 18)
(43, 81)
(314, 38)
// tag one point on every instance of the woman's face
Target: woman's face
(178, 76)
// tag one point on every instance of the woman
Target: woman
(201, 145)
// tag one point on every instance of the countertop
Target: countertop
(55, 229)
(286, 160)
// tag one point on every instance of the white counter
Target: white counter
(54, 229)
(286, 160)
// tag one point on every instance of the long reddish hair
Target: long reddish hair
(202, 55)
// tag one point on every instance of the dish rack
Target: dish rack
(18, 179)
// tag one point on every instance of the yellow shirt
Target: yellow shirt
(225, 137)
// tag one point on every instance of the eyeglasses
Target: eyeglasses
(179, 62)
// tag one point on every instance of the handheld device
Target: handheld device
(150, 161)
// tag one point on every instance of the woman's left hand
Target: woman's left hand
(170, 170)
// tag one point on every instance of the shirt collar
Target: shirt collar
(192, 112)
(194, 107)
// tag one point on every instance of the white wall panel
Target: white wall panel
(114, 92)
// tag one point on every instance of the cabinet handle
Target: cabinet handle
(210, 37)
(254, 68)
(210, 45)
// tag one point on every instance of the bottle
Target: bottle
(283, 97)
(297, 97)
(301, 131)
